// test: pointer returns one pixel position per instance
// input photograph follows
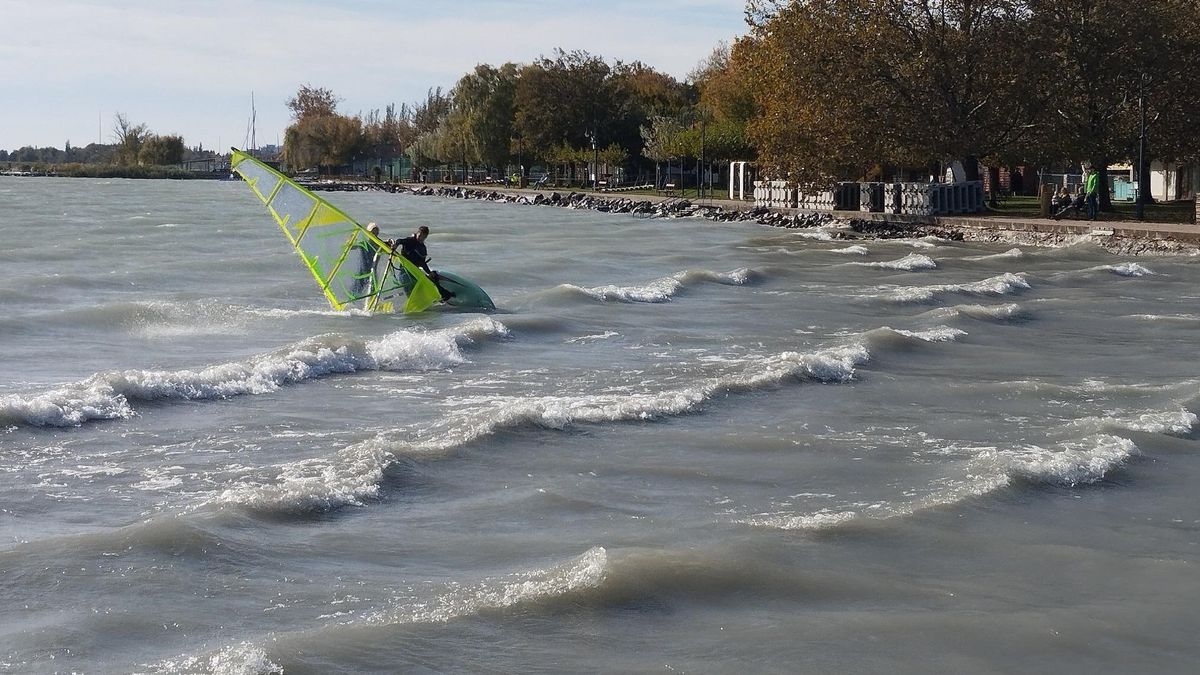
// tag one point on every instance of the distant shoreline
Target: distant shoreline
(115, 171)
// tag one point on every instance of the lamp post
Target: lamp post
(1140, 207)
(595, 163)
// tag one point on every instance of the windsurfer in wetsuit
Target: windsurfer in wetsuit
(413, 248)
(369, 253)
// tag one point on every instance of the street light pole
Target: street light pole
(595, 163)
(1140, 207)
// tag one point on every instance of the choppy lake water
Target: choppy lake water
(678, 446)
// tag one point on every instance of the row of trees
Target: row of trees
(571, 108)
(820, 90)
(841, 87)
(133, 145)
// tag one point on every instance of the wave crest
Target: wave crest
(1003, 284)
(105, 396)
(912, 262)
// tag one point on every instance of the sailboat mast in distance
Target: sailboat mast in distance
(249, 142)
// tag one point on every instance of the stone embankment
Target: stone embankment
(835, 226)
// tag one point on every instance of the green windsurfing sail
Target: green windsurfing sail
(349, 263)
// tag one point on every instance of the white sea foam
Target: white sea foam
(821, 520)
(1010, 254)
(354, 474)
(855, 249)
(109, 395)
(1167, 317)
(662, 290)
(1129, 269)
(586, 572)
(938, 334)
(1174, 422)
(1002, 284)
(985, 312)
(923, 242)
(590, 338)
(817, 233)
(1078, 462)
(910, 263)
(240, 659)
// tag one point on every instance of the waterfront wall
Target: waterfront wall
(916, 199)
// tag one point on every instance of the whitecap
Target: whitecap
(1002, 284)
(938, 334)
(108, 395)
(1010, 254)
(910, 263)
(855, 249)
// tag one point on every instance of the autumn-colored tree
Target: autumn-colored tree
(128, 138)
(311, 101)
(320, 136)
(843, 85)
(330, 140)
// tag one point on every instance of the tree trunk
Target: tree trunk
(971, 167)
(994, 185)
(1102, 186)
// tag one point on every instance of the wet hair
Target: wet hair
(423, 230)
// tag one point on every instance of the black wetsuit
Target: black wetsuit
(415, 252)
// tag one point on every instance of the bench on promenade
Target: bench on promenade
(668, 190)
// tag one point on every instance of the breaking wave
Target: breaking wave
(661, 290)
(1003, 312)
(910, 263)
(1004, 284)
(1069, 464)
(1010, 254)
(110, 395)
(355, 473)
(856, 249)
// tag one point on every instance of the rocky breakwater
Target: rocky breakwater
(649, 208)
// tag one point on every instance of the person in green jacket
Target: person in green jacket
(1091, 183)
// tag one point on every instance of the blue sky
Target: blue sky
(188, 67)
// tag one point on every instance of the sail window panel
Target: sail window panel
(325, 246)
(261, 180)
(291, 207)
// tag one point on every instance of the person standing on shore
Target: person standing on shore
(1091, 185)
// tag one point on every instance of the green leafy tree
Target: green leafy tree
(161, 150)
(566, 100)
(1107, 55)
(482, 113)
